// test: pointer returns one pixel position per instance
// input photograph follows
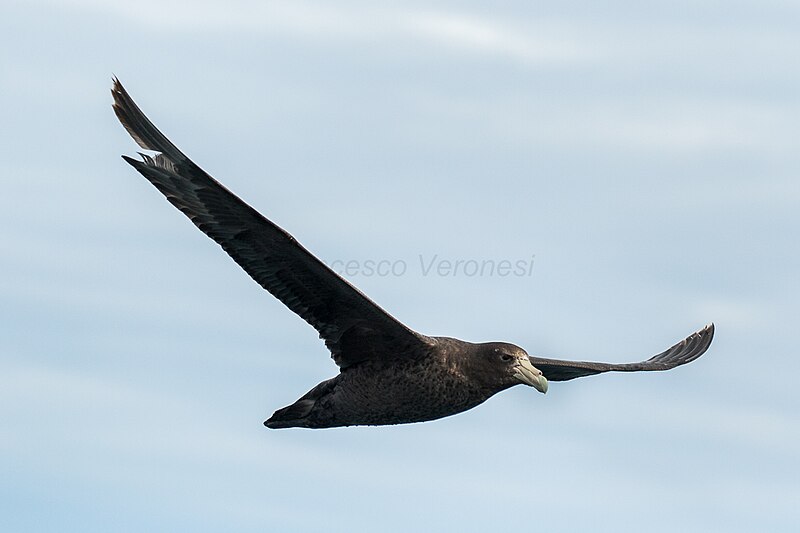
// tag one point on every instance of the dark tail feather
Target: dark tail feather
(292, 416)
(297, 414)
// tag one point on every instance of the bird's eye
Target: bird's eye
(506, 357)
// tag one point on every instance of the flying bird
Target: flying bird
(388, 373)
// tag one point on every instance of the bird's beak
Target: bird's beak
(530, 375)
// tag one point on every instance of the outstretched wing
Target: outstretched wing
(353, 327)
(684, 352)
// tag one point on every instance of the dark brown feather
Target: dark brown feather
(681, 353)
(353, 327)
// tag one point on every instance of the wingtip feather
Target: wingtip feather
(139, 127)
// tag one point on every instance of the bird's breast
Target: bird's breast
(407, 391)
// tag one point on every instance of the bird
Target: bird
(388, 373)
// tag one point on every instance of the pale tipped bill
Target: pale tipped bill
(530, 375)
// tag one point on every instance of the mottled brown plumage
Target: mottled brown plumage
(389, 374)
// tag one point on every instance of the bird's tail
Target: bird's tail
(301, 414)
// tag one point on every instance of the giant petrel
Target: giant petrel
(388, 374)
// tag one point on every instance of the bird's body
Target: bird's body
(389, 374)
(397, 390)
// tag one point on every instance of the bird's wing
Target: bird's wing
(684, 352)
(353, 327)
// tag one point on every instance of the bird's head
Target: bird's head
(509, 365)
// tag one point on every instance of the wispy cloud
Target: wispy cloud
(548, 42)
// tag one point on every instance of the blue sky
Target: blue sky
(643, 154)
